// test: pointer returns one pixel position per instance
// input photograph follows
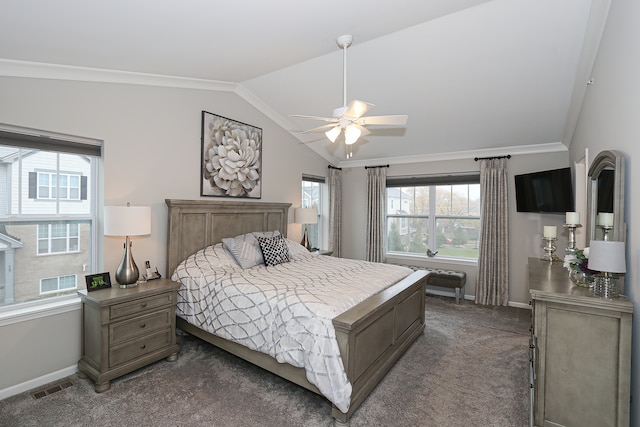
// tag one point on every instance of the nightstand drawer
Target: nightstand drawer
(140, 347)
(133, 307)
(143, 325)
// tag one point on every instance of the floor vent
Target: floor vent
(52, 389)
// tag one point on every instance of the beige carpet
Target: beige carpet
(470, 368)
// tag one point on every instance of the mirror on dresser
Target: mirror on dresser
(605, 194)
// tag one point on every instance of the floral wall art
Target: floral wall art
(231, 158)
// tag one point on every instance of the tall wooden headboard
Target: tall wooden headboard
(196, 224)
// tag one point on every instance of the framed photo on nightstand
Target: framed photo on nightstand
(98, 281)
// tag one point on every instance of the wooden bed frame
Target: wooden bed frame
(371, 336)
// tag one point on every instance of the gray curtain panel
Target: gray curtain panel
(493, 259)
(376, 213)
(335, 211)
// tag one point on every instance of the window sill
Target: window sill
(30, 311)
(408, 258)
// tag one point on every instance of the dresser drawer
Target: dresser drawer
(124, 309)
(140, 347)
(143, 325)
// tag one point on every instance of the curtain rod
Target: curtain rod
(508, 156)
(373, 167)
(333, 167)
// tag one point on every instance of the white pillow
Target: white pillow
(296, 248)
(245, 248)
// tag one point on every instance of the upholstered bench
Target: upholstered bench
(445, 278)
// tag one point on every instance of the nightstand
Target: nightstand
(126, 329)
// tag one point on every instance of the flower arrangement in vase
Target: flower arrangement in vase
(578, 266)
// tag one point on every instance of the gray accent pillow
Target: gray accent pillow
(245, 248)
(274, 250)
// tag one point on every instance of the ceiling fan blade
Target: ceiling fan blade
(356, 109)
(324, 119)
(322, 128)
(384, 120)
(363, 130)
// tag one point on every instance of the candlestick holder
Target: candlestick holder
(549, 250)
(605, 231)
(571, 247)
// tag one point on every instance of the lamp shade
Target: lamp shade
(305, 216)
(351, 134)
(333, 133)
(607, 256)
(127, 220)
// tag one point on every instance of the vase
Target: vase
(581, 279)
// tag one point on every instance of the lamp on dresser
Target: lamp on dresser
(305, 216)
(608, 257)
(127, 221)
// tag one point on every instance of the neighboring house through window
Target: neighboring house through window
(437, 214)
(48, 211)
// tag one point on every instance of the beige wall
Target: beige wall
(525, 229)
(609, 121)
(151, 152)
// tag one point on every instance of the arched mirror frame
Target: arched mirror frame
(607, 160)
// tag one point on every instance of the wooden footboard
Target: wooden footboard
(374, 334)
(371, 336)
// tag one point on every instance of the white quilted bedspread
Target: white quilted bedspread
(285, 310)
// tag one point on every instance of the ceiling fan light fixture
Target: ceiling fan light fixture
(333, 133)
(351, 116)
(351, 134)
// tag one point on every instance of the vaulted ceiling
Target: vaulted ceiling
(476, 77)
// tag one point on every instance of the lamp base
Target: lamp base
(127, 272)
(606, 286)
(305, 240)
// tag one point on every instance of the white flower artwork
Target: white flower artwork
(231, 158)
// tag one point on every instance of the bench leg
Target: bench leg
(457, 295)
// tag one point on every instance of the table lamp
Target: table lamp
(305, 216)
(127, 221)
(608, 257)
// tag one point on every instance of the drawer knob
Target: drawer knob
(143, 325)
(143, 346)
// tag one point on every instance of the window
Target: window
(437, 214)
(61, 283)
(58, 238)
(48, 208)
(312, 197)
(52, 186)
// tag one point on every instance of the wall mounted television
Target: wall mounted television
(548, 191)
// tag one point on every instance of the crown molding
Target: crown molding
(37, 70)
(551, 147)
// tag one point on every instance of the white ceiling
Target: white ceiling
(476, 77)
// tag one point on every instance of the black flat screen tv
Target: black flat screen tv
(545, 192)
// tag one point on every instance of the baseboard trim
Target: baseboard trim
(472, 298)
(37, 382)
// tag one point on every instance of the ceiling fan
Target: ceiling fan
(350, 119)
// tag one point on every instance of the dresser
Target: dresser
(126, 329)
(580, 352)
